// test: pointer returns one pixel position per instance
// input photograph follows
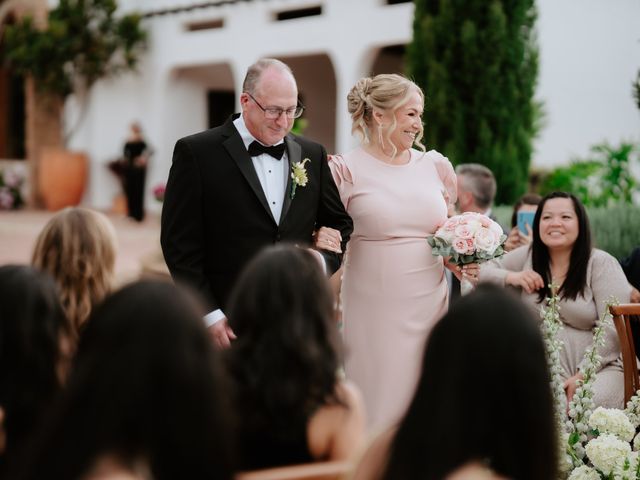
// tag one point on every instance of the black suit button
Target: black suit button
(278, 238)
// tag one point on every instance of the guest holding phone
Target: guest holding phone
(521, 221)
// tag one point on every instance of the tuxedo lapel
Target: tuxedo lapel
(294, 154)
(237, 151)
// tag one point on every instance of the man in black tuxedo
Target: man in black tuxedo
(230, 192)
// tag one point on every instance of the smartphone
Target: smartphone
(524, 219)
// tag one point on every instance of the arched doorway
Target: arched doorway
(317, 91)
(390, 59)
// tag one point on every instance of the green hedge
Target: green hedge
(615, 229)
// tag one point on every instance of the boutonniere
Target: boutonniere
(299, 176)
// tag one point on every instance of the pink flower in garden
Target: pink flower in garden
(6, 199)
(158, 192)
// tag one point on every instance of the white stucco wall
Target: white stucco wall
(590, 53)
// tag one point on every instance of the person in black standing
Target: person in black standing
(136, 155)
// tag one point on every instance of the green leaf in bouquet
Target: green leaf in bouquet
(574, 438)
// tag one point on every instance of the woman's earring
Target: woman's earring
(380, 139)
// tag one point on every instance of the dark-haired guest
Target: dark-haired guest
(516, 238)
(484, 384)
(293, 407)
(34, 335)
(561, 252)
(631, 268)
(144, 399)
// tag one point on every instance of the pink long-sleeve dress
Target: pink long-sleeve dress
(393, 289)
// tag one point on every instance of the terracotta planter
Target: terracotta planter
(62, 177)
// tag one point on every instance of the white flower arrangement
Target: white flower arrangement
(551, 326)
(595, 443)
(612, 421)
(584, 473)
(606, 452)
(581, 405)
(298, 176)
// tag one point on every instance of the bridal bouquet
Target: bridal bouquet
(468, 238)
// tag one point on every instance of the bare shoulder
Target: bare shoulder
(336, 431)
(374, 461)
(474, 471)
(109, 467)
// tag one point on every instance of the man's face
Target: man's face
(465, 198)
(275, 89)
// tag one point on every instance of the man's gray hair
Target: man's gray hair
(255, 71)
(479, 180)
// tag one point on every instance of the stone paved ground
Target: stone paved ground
(138, 243)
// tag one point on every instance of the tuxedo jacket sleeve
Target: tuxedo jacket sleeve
(215, 216)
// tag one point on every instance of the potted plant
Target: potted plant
(81, 42)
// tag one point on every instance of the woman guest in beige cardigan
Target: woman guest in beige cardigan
(562, 253)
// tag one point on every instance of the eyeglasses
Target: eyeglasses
(273, 113)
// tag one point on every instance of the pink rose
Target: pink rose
(464, 231)
(463, 246)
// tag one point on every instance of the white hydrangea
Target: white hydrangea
(626, 470)
(613, 421)
(633, 410)
(636, 442)
(607, 451)
(584, 473)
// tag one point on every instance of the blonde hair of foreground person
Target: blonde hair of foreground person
(77, 247)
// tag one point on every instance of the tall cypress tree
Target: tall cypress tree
(477, 61)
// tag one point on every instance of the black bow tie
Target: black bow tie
(276, 151)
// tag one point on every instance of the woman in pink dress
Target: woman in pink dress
(393, 289)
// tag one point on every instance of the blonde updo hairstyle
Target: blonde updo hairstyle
(77, 247)
(386, 93)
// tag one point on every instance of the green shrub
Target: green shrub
(603, 179)
(616, 229)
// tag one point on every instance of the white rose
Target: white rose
(606, 452)
(613, 421)
(486, 241)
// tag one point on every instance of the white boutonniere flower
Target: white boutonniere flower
(299, 176)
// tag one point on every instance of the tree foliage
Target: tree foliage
(82, 42)
(477, 61)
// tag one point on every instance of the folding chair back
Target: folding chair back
(623, 315)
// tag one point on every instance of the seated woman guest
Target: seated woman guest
(77, 247)
(476, 395)
(292, 406)
(144, 399)
(561, 252)
(33, 336)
